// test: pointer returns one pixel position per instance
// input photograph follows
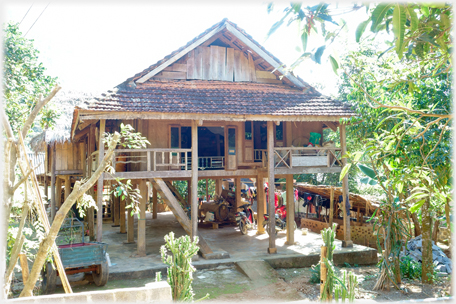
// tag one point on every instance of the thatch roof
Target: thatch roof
(66, 102)
(355, 199)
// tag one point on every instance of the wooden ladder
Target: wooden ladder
(174, 205)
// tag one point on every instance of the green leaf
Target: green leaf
(296, 7)
(304, 40)
(334, 64)
(360, 29)
(344, 172)
(413, 19)
(425, 10)
(399, 19)
(378, 14)
(417, 206)
(368, 171)
(319, 53)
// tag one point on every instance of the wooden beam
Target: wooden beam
(91, 213)
(67, 187)
(130, 227)
(123, 226)
(58, 193)
(68, 172)
(148, 175)
(194, 198)
(85, 123)
(331, 207)
(100, 183)
(279, 172)
(260, 203)
(154, 203)
(290, 210)
(347, 242)
(180, 54)
(331, 125)
(208, 117)
(272, 247)
(237, 191)
(263, 54)
(142, 219)
(80, 134)
(53, 202)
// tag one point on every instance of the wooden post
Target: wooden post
(347, 242)
(46, 185)
(260, 204)
(58, 192)
(24, 267)
(194, 197)
(154, 203)
(272, 247)
(218, 186)
(123, 228)
(91, 212)
(237, 184)
(142, 219)
(290, 210)
(323, 270)
(53, 205)
(207, 191)
(100, 183)
(116, 206)
(67, 186)
(130, 227)
(331, 207)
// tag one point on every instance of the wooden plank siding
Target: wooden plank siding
(217, 63)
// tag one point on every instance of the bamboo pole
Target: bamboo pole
(323, 269)
(24, 267)
(44, 219)
(331, 207)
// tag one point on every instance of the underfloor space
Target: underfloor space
(227, 239)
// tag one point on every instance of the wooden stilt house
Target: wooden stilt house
(219, 107)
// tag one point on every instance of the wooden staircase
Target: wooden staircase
(176, 194)
(174, 205)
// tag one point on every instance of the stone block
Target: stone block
(441, 268)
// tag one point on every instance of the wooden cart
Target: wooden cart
(77, 256)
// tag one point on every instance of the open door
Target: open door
(231, 161)
(279, 133)
(248, 141)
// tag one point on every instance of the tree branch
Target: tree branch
(39, 105)
(49, 241)
(23, 179)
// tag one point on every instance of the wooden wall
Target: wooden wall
(301, 132)
(69, 156)
(217, 63)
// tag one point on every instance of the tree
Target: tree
(394, 93)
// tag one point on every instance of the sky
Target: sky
(94, 46)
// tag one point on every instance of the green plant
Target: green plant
(348, 292)
(315, 274)
(410, 268)
(180, 270)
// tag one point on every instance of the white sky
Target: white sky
(93, 46)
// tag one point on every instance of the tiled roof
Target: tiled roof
(219, 97)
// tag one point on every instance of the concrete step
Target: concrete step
(259, 271)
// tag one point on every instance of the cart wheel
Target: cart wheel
(223, 212)
(49, 279)
(101, 278)
(243, 227)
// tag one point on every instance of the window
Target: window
(248, 130)
(279, 132)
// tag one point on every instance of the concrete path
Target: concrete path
(227, 239)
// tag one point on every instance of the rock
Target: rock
(441, 274)
(419, 244)
(448, 268)
(441, 268)
(436, 262)
(435, 247)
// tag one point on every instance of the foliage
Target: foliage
(341, 288)
(24, 80)
(180, 270)
(315, 274)
(410, 268)
(131, 140)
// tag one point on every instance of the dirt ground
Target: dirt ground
(226, 284)
(294, 285)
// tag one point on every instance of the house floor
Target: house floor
(226, 239)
